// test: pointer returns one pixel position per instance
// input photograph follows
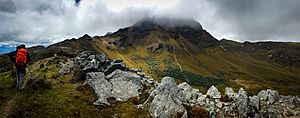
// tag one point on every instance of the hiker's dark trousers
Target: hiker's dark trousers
(20, 78)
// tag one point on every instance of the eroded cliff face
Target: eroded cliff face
(112, 82)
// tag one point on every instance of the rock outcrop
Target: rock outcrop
(168, 100)
(268, 103)
(213, 92)
(112, 81)
(119, 85)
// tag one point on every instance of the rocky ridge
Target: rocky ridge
(112, 81)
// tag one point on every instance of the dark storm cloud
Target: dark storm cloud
(260, 19)
(51, 21)
(77, 2)
(46, 22)
(7, 6)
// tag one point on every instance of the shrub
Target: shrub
(197, 112)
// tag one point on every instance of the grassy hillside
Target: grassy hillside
(219, 65)
(186, 54)
(66, 97)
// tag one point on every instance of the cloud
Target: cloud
(49, 21)
(46, 22)
(7, 6)
(260, 19)
(77, 2)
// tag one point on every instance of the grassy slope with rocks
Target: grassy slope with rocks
(254, 66)
(229, 63)
(66, 98)
(237, 69)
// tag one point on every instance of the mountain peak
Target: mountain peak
(169, 22)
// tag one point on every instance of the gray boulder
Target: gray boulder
(242, 102)
(269, 95)
(190, 93)
(92, 65)
(102, 58)
(64, 68)
(201, 100)
(153, 47)
(84, 54)
(101, 86)
(254, 104)
(125, 84)
(120, 85)
(272, 96)
(91, 57)
(167, 100)
(213, 92)
(230, 93)
(254, 101)
(263, 95)
(148, 81)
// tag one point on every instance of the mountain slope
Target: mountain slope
(193, 55)
(189, 53)
(157, 48)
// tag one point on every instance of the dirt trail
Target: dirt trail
(179, 64)
(8, 107)
(177, 61)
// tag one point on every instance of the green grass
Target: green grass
(192, 79)
(171, 70)
(66, 98)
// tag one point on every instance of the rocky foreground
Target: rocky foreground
(112, 82)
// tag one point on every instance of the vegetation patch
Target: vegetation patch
(192, 79)
(171, 70)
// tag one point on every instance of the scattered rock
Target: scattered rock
(254, 106)
(219, 104)
(102, 58)
(189, 92)
(91, 65)
(254, 102)
(84, 54)
(269, 95)
(213, 92)
(153, 47)
(64, 68)
(230, 93)
(272, 96)
(263, 95)
(114, 66)
(112, 81)
(101, 86)
(242, 102)
(158, 46)
(91, 57)
(290, 112)
(167, 100)
(135, 70)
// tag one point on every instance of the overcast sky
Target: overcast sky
(36, 22)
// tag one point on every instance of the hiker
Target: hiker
(20, 58)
